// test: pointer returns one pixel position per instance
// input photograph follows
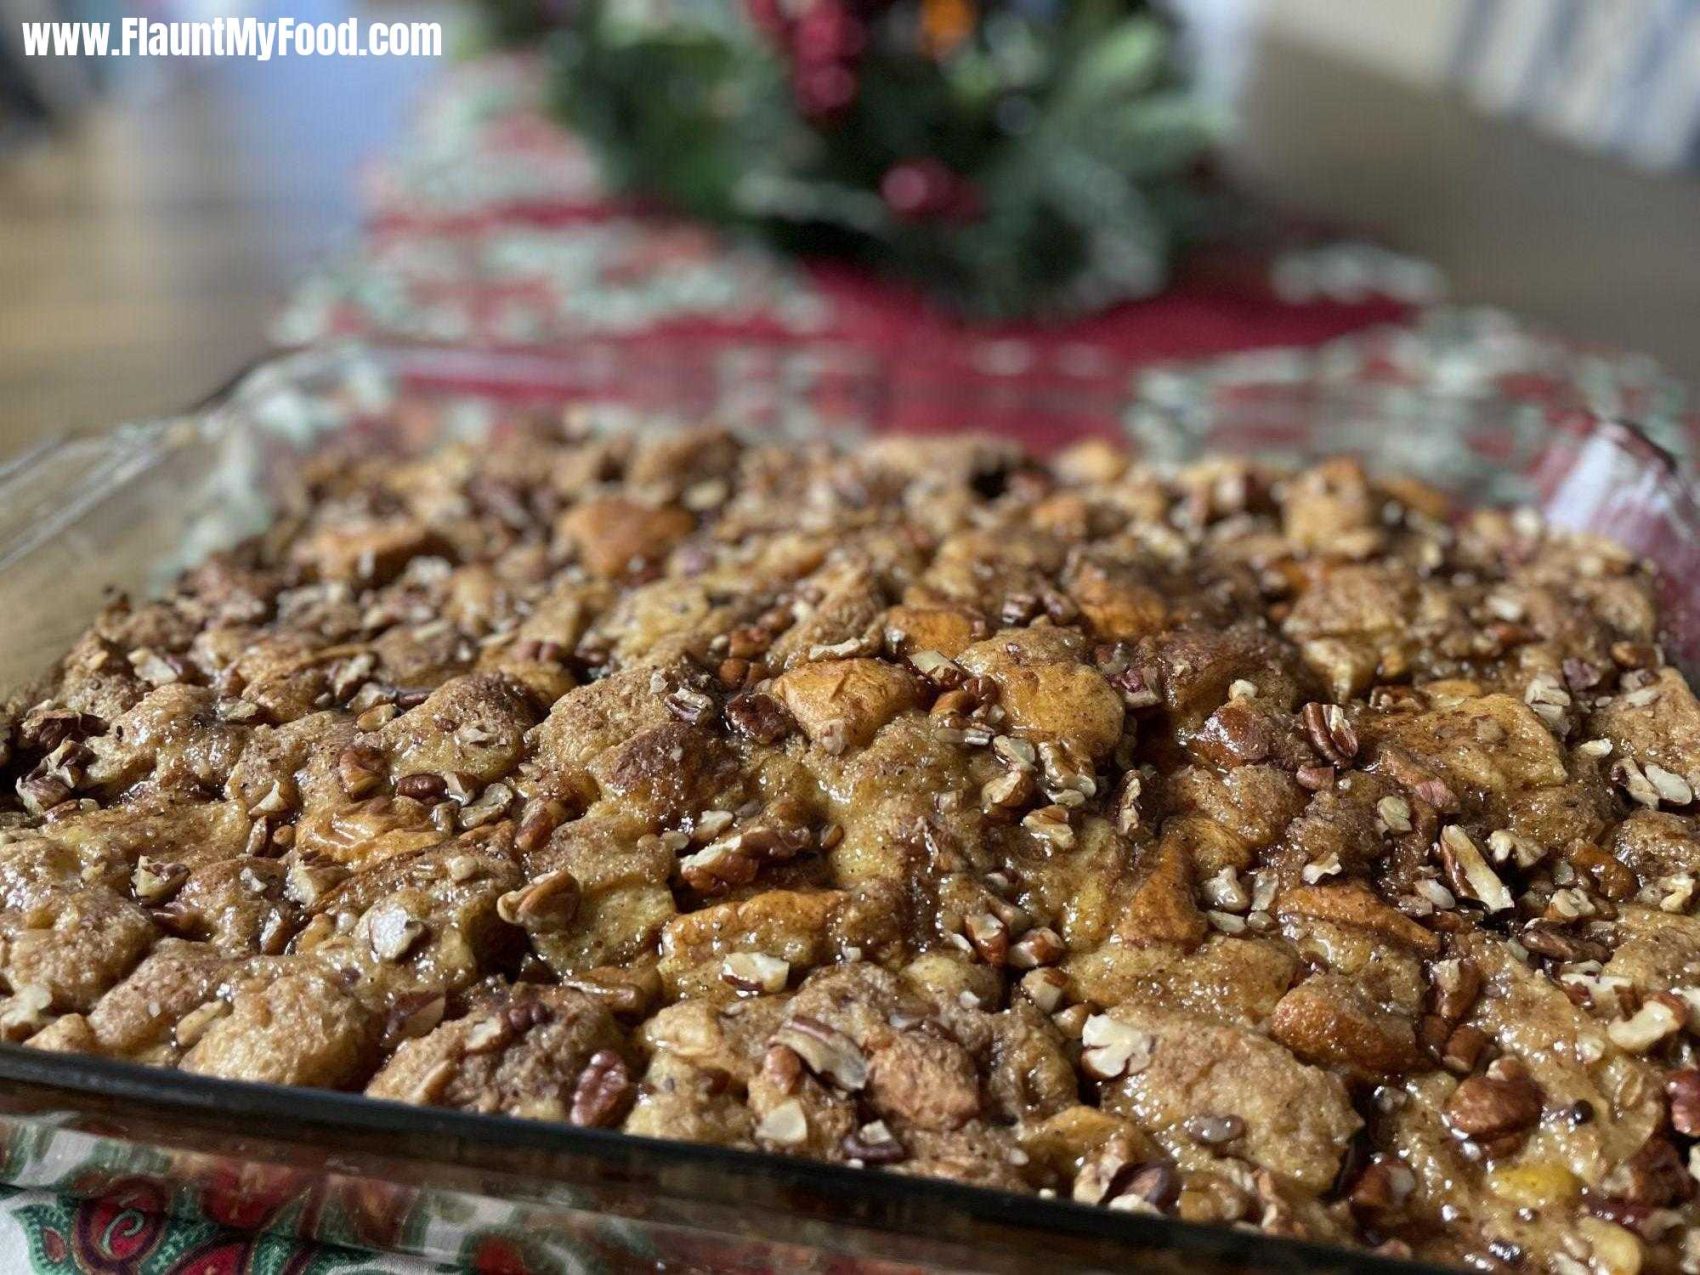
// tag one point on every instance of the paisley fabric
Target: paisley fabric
(127, 1232)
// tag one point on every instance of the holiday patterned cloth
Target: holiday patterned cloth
(488, 227)
(1449, 370)
(127, 1233)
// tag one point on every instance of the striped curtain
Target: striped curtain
(1621, 76)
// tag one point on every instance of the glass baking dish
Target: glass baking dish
(130, 508)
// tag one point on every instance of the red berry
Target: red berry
(826, 33)
(923, 188)
(822, 90)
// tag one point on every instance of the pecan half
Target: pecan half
(759, 717)
(1330, 732)
(547, 905)
(423, 788)
(360, 770)
(604, 1091)
(1502, 1102)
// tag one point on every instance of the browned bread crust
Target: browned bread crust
(1257, 848)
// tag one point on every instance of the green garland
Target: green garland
(1013, 158)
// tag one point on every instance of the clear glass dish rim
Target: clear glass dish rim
(116, 451)
(118, 454)
(903, 1204)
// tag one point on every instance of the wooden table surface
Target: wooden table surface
(142, 252)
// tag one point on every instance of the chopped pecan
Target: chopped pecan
(1008, 792)
(537, 823)
(718, 867)
(1108, 1176)
(1138, 688)
(1314, 778)
(1610, 876)
(1654, 1176)
(787, 1124)
(394, 933)
(1213, 1131)
(1384, 1186)
(1544, 939)
(1050, 825)
(41, 792)
(1045, 988)
(1657, 1018)
(689, 705)
(874, 1143)
(990, 938)
(1581, 675)
(1114, 1049)
(755, 972)
(1419, 781)
(1037, 947)
(828, 1052)
(1627, 773)
(1395, 813)
(45, 729)
(782, 1067)
(1125, 804)
(155, 881)
(1463, 1049)
(1456, 984)
(1682, 1088)
(1157, 1184)
(1468, 872)
(1635, 655)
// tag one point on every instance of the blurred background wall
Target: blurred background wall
(1542, 152)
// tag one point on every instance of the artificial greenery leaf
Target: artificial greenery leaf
(1030, 159)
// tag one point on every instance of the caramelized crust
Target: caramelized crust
(1268, 849)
